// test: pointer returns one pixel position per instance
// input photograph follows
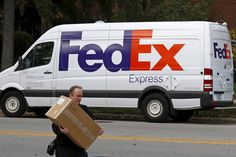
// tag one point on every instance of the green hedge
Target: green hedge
(0, 49)
(234, 88)
(22, 42)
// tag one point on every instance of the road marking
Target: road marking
(25, 133)
(172, 140)
(128, 138)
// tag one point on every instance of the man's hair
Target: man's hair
(72, 88)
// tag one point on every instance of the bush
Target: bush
(0, 49)
(22, 42)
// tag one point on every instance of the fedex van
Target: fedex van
(166, 69)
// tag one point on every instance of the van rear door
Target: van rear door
(222, 64)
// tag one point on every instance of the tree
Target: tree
(123, 10)
(154, 10)
(46, 12)
(8, 34)
(178, 10)
(233, 38)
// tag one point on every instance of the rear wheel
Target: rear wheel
(13, 104)
(155, 108)
(182, 115)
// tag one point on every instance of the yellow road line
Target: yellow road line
(25, 133)
(128, 138)
(172, 140)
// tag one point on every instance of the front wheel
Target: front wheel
(13, 104)
(155, 108)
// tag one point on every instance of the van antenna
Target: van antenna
(100, 21)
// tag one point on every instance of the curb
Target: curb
(136, 117)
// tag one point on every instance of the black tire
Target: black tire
(13, 104)
(155, 108)
(182, 115)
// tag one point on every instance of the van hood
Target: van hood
(6, 71)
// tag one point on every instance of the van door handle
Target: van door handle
(47, 72)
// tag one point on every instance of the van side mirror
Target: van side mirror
(21, 64)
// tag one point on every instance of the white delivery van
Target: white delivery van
(167, 69)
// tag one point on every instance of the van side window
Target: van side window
(41, 54)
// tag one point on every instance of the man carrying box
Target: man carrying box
(65, 147)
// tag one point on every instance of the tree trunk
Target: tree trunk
(8, 34)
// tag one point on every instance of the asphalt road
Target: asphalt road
(28, 137)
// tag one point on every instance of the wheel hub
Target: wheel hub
(154, 108)
(12, 104)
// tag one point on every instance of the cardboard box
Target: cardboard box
(83, 130)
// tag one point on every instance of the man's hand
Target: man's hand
(101, 132)
(64, 130)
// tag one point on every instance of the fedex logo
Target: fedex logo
(221, 53)
(130, 51)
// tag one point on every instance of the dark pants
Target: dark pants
(66, 151)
